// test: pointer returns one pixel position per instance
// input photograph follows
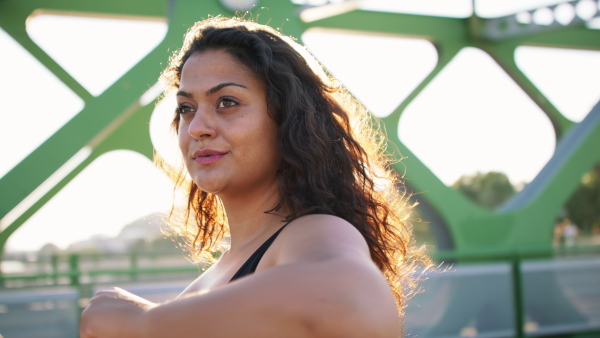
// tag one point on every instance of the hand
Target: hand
(114, 313)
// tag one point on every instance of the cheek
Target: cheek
(260, 144)
(181, 142)
(182, 137)
(271, 143)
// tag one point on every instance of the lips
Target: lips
(207, 156)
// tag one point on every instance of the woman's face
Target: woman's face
(226, 136)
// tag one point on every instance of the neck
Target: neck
(247, 218)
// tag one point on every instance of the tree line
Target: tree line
(492, 189)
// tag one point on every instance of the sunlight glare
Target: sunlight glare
(380, 71)
(60, 104)
(566, 76)
(117, 188)
(472, 117)
(95, 51)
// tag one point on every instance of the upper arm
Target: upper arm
(319, 282)
(319, 238)
(340, 281)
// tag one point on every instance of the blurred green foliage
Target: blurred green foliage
(489, 190)
(583, 208)
(492, 189)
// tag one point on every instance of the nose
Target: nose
(202, 125)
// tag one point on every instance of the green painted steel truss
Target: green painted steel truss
(116, 120)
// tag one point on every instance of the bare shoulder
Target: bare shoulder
(321, 236)
(322, 240)
(324, 223)
(336, 268)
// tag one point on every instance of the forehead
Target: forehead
(210, 66)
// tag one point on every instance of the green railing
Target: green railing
(85, 271)
(78, 270)
(515, 258)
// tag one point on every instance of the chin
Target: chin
(208, 188)
(214, 189)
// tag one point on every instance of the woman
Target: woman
(291, 168)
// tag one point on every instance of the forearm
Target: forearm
(291, 301)
(259, 306)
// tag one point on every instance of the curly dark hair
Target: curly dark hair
(334, 156)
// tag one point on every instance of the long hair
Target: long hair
(334, 153)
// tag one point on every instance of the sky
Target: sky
(471, 99)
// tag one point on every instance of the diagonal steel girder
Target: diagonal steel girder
(115, 119)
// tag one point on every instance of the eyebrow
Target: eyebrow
(211, 90)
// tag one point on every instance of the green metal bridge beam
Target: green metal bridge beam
(115, 120)
(100, 125)
(472, 227)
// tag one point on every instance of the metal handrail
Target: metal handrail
(74, 274)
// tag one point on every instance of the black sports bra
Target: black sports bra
(250, 265)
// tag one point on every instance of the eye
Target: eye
(227, 102)
(184, 109)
